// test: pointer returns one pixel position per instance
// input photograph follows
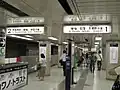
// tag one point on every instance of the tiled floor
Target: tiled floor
(97, 81)
(56, 81)
(50, 82)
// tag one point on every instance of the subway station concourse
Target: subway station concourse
(59, 44)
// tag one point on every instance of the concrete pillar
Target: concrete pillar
(48, 57)
(114, 38)
(60, 51)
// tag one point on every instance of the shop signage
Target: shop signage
(2, 42)
(25, 30)
(87, 18)
(2, 51)
(114, 53)
(13, 80)
(87, 29)
(25, 20)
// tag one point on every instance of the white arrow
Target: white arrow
(3, 43)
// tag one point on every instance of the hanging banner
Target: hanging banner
(87, 29)
(25, 30)
(114, 53)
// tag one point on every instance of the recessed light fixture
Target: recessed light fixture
(65, 42)
(73, 45)
(96, 43)
(29, 36)
(98, 38)
(76, 46)
(52, 38)
(20, 37)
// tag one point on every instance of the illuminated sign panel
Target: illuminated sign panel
(25, 30)
(87, 29)
(25, 21)
(87, 18)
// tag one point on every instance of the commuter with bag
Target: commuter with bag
(63, 62)
(116, 85)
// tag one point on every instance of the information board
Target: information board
(113, 53)
(87, 29)
(25, 30)
(13, 80)
(25, 21)
(87, 18)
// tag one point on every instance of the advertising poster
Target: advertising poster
(114, 53)
(42, 49)
(13, 80)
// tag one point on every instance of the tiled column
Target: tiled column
(114, 38)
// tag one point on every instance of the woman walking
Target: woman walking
(42, 70)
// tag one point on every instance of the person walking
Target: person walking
(42, 70)
(63, 61)
(87, 61)
(99, 60)
(92, 63)
(38, 66)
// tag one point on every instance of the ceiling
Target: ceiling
(47, 8)
(98, 6)
(93, 7)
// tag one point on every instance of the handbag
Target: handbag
(38, 66)
(61, 62)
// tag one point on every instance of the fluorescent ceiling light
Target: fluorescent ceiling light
(75, 46)
(52, 38)
(98, 38)
(96, 43)
(29, 36)
(52, 43)
(15, 36)
(65, 42)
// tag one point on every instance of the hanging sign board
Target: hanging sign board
(87, 29)
(114, 53)
(25, 30)
(87, 18)
(25, 21)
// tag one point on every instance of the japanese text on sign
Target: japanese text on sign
(97, 17)
(25, 20)
(25, 30)
(13, 80)
(87, 29)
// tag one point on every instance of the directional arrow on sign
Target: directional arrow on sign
(3, 42)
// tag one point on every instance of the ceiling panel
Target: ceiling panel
(99, 6)
(88, 1)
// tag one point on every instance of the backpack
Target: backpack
(61, 62)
